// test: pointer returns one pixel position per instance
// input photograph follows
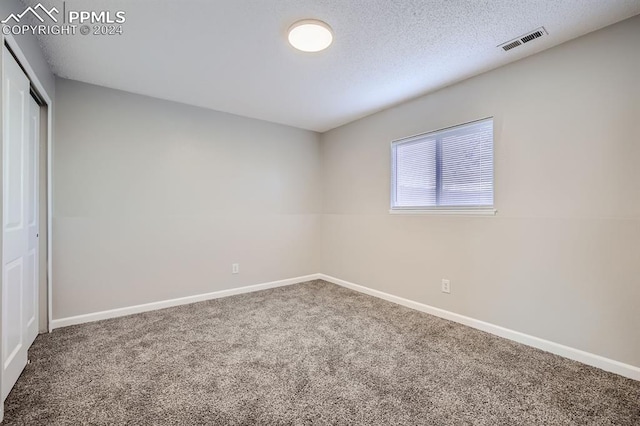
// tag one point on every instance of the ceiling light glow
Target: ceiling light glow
(310, 35)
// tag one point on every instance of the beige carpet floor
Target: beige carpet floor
(311, 353)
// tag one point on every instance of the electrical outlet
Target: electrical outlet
(235, 268)
(446, 286)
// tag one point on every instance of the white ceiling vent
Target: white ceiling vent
(526, 38)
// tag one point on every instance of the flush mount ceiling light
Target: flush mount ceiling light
(310, 35)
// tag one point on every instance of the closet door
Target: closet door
(19, 254)
(31, 298)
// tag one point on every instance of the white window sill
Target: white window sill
(489, 211)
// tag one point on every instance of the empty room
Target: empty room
(331, 212)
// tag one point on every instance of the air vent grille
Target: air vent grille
(526, 38)
(531, 36)
(511, 45)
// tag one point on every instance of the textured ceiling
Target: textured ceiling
(232, 55)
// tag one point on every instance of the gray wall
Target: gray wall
(155, 200)
(561, 260)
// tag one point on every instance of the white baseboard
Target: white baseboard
(120, 312)
(593, 360)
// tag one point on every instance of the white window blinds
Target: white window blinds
(448, 168)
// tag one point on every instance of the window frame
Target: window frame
(439, 210)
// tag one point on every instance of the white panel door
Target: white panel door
(18, 258)
(32, 277)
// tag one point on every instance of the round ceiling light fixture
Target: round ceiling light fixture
(310, 35)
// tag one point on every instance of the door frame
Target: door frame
(11, 43)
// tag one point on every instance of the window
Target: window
(447, 170)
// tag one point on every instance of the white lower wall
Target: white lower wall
(106, 263)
